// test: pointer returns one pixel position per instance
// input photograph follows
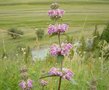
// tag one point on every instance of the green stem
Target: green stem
(59, 86)
(42, 87)
(59, 39)
(60, 79)
(48, 76)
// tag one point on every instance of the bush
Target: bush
(96, 38)
(105, 34)
(40, 33)
(15, 33)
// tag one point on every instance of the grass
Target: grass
(85, 73)
(28, 15)
(36, 15)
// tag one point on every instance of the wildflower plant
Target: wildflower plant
(61, 49)
(43, 83)
(25, 83)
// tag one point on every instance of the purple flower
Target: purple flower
(29, 83)
(60, 28)
(55, 50)
(65, 73)
(22, 84)
(56, 13)
(54, 71)
(43, 82)
(26, 85)
(52, 29)
(68, 74)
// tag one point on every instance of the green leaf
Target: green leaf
(54, 34)
(60, 58)
(47, 75)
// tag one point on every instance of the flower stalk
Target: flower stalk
(60, 78)
(59, 50)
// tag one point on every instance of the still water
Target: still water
(40, 53)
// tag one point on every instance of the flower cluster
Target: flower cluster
(60, 28)
(54, 71)
(64, 50)
(65, 73)
(56, 13)
(43, 83)
(26, 84)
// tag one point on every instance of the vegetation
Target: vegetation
(105, 34)
(87, 21)
(14, 33)
(40, 33)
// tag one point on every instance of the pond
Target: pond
(39, 53)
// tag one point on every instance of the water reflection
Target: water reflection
(40, 53)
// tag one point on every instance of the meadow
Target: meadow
(90, 68)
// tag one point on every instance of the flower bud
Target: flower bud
(43, 83)
(23, 69)
(24, 76)
(54, 6)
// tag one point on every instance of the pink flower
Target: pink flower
(60, 28)
(52, 29)
(55, 50)
(22, 84)
(68, 74)
(54, 71)
(43, 82)
(29, 83)
(56, 13)
(65, 49)
(65, 73)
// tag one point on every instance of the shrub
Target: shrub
(15, 33)
(104, 49)
(83, 46)
(40, 33)
(105, 34)
(96, 38)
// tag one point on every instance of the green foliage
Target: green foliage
(71, 54)
(105, 34)
(104, 49)
(69, 38)
(15, 33)
(83, 44)
(40, 33)
(27, 55)
(19, 48)
(96, 37)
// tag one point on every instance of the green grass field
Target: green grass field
(35, 15)
(28, 15)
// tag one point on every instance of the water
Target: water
(40, 53)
